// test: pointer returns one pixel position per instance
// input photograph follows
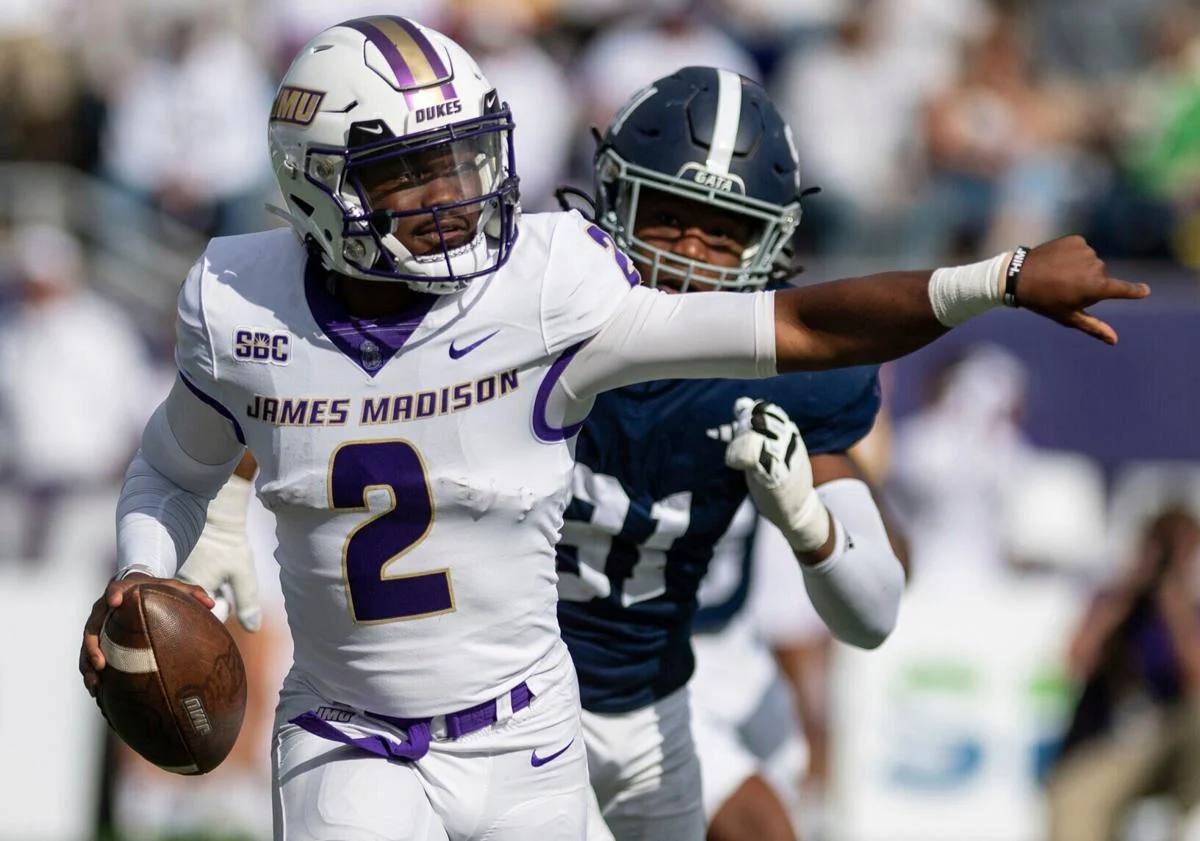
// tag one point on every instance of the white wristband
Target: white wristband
(839, 548)
(807, 526)
(959, 293)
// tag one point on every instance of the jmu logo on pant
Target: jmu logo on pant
(262, 346)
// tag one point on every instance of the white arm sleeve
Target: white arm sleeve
(654, 336)
(781, 616)
(188, 452)
(857, 590)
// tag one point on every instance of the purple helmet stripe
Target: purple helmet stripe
(429, 52)
(404, 76)
(411, 55)
(418, 37)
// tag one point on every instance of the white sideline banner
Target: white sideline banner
(943, 732)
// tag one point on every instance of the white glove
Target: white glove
(768, 447)
(223, 557)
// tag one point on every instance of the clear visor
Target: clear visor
(431, 198)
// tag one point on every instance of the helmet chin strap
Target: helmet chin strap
(444, 269)
(464, 260)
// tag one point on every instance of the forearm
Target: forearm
(879, 317)
(158, 522)
(856, 591)
(857, 321)
(1104, 614)
(164, 500)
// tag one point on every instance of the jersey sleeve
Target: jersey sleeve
(834, 410)
(656, 336)
(193, 346)
(587, 277)
(194, 351)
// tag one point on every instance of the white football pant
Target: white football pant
(521, 779)
(645, 773)
(744, 722)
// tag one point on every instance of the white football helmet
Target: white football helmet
(394, 156)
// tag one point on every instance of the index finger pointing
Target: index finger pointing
(1123, 289)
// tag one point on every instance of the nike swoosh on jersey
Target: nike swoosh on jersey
(459, 353)
(538, 761)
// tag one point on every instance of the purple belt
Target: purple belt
(419, 730)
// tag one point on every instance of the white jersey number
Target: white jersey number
(388, 475)
(612, 515)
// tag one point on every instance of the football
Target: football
(174, 685)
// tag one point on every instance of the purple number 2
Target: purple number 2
(605, 241)
(395, 467)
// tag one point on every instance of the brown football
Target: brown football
(174, 686)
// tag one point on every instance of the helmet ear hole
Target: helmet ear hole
(301, 205)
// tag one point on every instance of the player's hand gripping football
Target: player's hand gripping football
(222, 561)
(1062, 277)
(767, 446)
(91, 658)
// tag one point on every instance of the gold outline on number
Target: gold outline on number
(391, 491)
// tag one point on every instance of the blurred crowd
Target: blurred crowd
(937, 130)
(933, 127)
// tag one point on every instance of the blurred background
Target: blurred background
(1044, 677)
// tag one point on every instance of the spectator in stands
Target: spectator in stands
(953, 462)
(1136, 727)
(1149, 130)
(1000, 149)
(643, 47)
(75, 386)
(37, 81)
(852, 114)
(215, 180)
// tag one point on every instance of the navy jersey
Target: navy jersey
(652, 496)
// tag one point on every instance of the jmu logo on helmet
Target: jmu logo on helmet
(442, 109)
(296, 105)
(261, 346)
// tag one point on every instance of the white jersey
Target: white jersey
(418, 466)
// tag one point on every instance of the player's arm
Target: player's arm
(851, 572)
(884, 316)
(189, 449)
(648, 335)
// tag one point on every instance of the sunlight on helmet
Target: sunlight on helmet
(394, 156)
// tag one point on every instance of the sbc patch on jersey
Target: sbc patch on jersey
(262, 346)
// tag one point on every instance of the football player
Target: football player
(653, 495)
(410, 375)
(759, 731)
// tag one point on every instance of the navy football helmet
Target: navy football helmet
(712, 136)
